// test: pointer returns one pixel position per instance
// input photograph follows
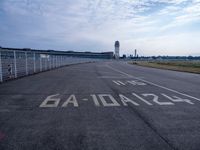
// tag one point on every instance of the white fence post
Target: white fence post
(26, 63)
(40, 63)
(54, 66)
(15, 64)
(52, 61)
(50, 67)
(45, 63)
(59, 60)
(56, 61)
(34, 66)
(1, 73)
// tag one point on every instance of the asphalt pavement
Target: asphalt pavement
(101, 106)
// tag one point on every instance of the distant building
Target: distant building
(117, 45)
(44, 53)
(135, 52)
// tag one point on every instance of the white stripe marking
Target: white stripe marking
(121, 82)
(160, 86)
(141, 99)
(116, 82)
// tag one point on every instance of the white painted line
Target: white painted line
(111, 98)
(54, 101)
(142, 99)
(85, 99)
(132, 82)
(95, 100)
(126, 100)
(140, 83)
(113, 77)
(156, 99)
(160, 86)
(177, 99)
(116, 82)
(120, 82)
(71, 100)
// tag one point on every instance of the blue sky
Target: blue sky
(154, 27)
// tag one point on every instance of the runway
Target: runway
(101, 106)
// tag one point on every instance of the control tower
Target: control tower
(117, 45)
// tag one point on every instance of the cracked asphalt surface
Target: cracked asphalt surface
(101, 106)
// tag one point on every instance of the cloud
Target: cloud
(182, 15)
(95, 24)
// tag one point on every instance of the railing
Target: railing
(14, 64)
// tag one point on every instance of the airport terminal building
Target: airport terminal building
(100, 55)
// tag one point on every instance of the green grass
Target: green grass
(186, 66)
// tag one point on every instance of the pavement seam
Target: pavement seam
(145, 120)
(166, 140)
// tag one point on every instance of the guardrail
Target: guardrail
(14, 64)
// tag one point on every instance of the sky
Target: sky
(153, 27)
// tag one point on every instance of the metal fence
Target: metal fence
(14, 64)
